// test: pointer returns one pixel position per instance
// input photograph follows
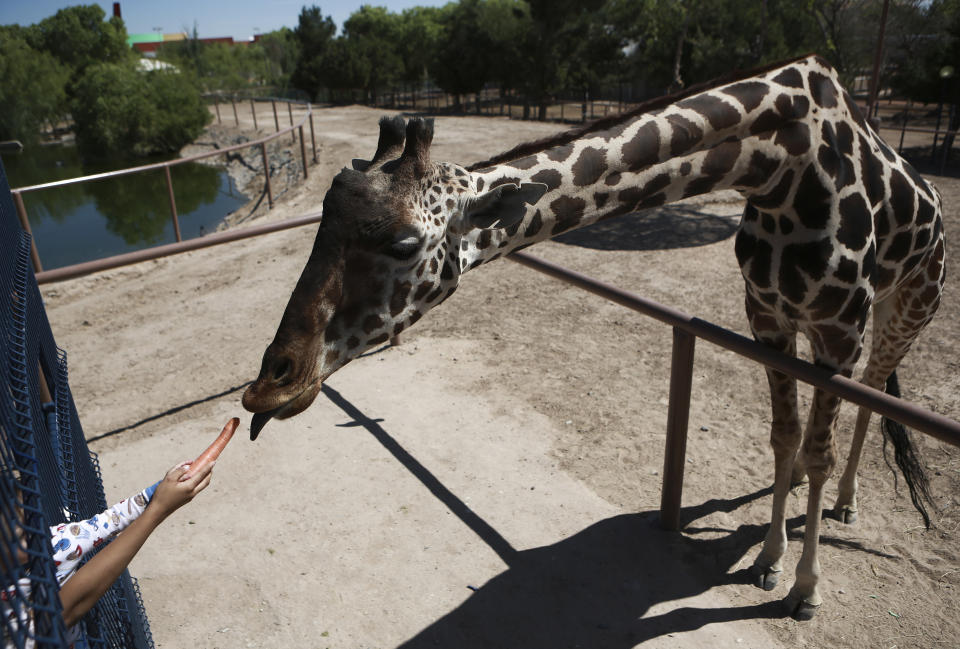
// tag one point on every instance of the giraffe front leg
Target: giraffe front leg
(819, 452)
(785, 441)
(845, 509)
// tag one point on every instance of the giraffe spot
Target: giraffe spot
(437, 293)
(768, 223)
(718, 112)
(643, 149)
(855, 222)
(612, 179)
(854, 111)
(745, 245)
(776, 196)
(398, 302)
(569, 212)
(767, 122)
(476, 262)
(857, 308)
(847, 271)
(786, 225)
(881, 224)
(869, 267)
(480, 184)
(559, 153)
(447, 273)
(923, 238)
(654, 201)
(871, 170)
(483, 241)
(716, 165)
(685, 134)
(884, 149)
(372, 323)
(332, 332)
(901, 198)
(759, 171)
(436, 210)
(799, 259)
(331, 358)
(600, 199)
(899, 247)
(524, 163)
(422, 290)
(925, 213)
(376, 340)
(885, 277)
(549, 177)
(794, 137)
(535, 224)
(504, 181)
(845, 138)
(918, 181)
(828, 302)
(421, 268)
(912, 262)
(685, 169)
(823, 90)
(352, 342)
(812, 200)
(750, 94)
(397, 328)
(760, 264)
(451, 203)
(590, 165)
(790, 77)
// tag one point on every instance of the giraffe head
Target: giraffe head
(392, 245)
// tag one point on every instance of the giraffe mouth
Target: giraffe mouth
(292, 407)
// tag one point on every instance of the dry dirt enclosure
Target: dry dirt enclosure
(494, 481)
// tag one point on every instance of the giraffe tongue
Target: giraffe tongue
(260, 420)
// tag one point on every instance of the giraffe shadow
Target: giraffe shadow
(663, 228)
(595, 588)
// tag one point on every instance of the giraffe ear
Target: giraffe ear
(502, 206)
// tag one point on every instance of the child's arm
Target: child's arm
(93, 579)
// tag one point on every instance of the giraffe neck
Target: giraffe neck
(743, 135)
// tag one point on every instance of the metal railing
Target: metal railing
(293, 129)
(686, 329)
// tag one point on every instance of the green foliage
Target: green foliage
(32, 89)
(927, 52)
(80, 37)
(118, 109)
(314, 35)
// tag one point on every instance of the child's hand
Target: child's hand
(173, 492)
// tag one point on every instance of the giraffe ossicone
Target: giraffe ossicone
(835, 224)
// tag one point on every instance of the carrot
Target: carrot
(213, 451)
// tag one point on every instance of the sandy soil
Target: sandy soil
(494, 481)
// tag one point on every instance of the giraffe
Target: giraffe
(835, 223)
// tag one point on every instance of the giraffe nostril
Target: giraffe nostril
(281, 370)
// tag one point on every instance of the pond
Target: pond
(108, 217)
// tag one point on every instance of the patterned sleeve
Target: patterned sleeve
(71, 541)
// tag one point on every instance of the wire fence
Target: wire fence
(48, 476)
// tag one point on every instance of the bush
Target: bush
(118, 109)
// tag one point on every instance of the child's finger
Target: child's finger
(202, 484)
(199, 475)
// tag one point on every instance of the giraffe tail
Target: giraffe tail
(907, 457)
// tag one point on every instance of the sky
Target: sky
(240, 19)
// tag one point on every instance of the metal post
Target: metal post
(313, 138)
(233, 102)
(903, 127)
(678, 414)
(173, 205)
(293, 134)
(25, 224)
(253, 111)
(276, 121)
(216, 105)
(266, 170)
(303, 153)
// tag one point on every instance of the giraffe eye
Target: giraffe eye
(404, 248)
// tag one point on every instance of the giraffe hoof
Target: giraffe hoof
(765, 578)
(799, 609)
(846, 514)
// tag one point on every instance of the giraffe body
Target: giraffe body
(835, 224)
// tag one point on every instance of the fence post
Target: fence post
(293, 134)
(266, 169)
(173, 204)
(678, 415)
(25, 224)
(216, 105)
(313, 138)
(253, 111)
(303, 153)
(233, 102)
(276, 121)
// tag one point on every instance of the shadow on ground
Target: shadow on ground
(664, 228)
(593, 589)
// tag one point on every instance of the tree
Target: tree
(462, 60)
(314, 34)
(374, 34)
(120, 110)
(80, 37)
(419, 32)
(32, 89)
(280, 51)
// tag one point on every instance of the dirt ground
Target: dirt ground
(494, 481)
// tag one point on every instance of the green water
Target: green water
(102, 218)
